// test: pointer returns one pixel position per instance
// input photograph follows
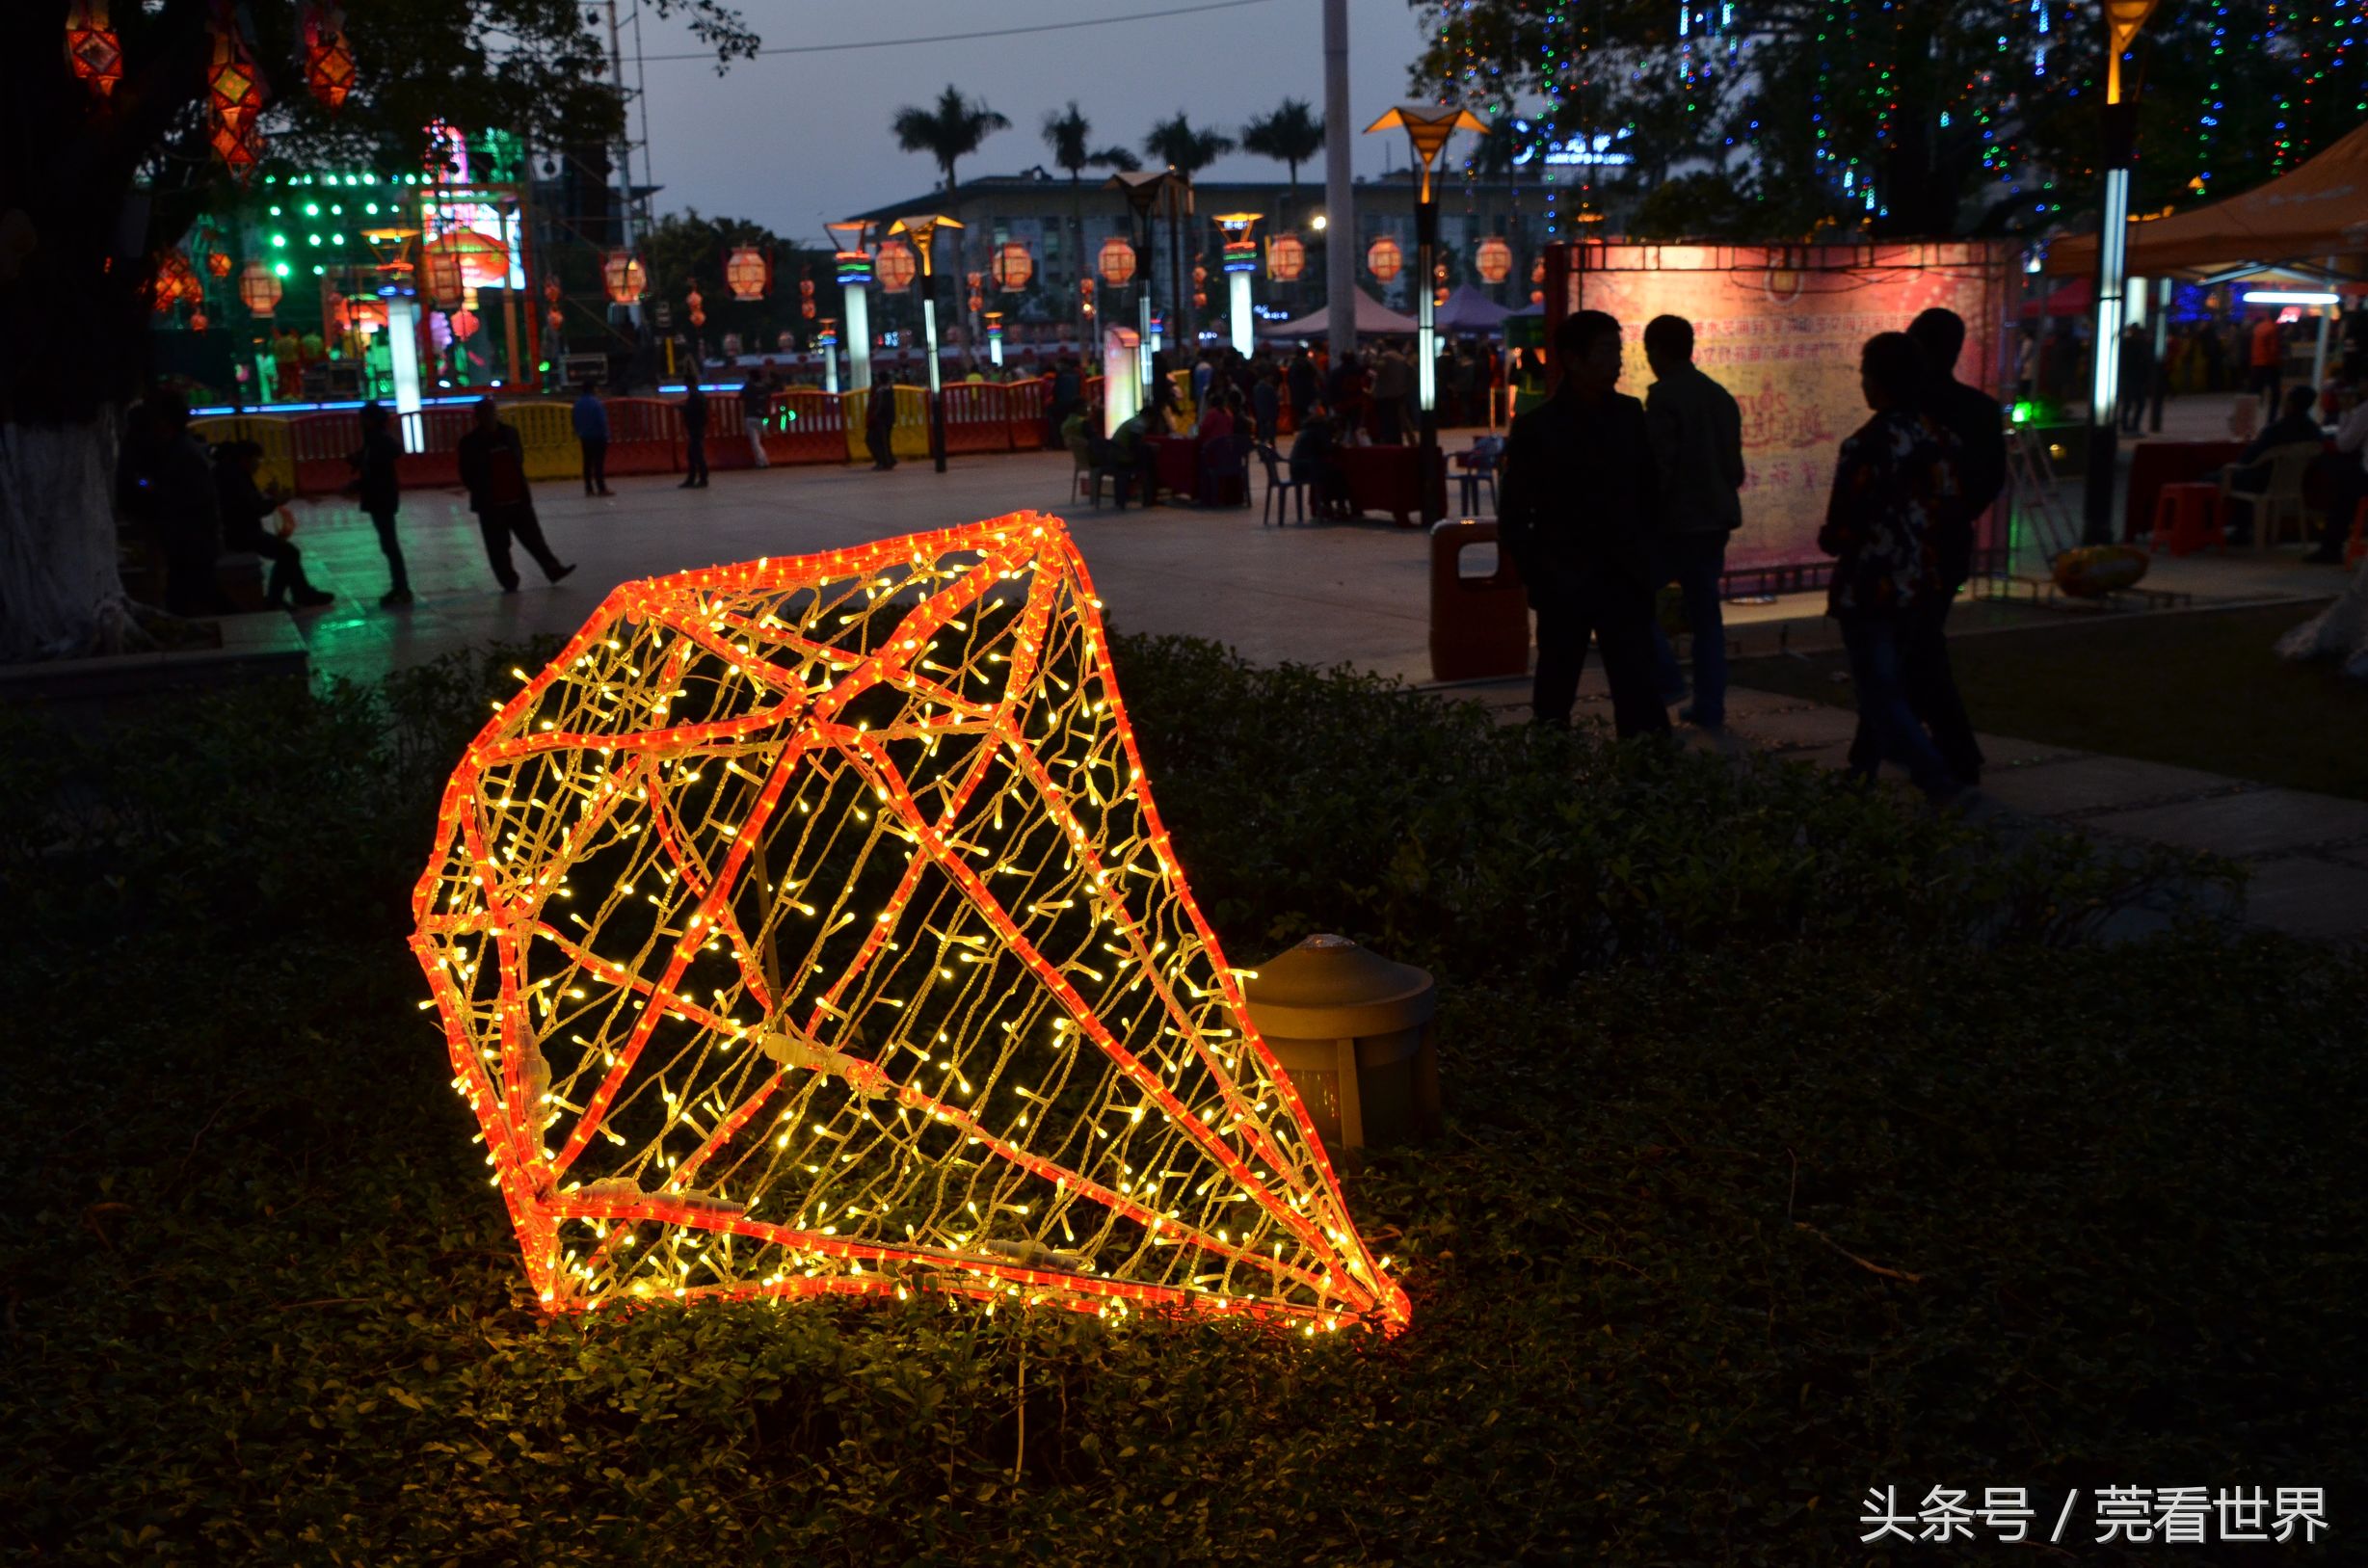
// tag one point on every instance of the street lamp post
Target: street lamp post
(924, 231)
(1427, 128)
(1240, 260)
(2124, 19)
(853, 265)
(1142, 192)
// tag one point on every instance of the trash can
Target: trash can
(1355, 1032)
(1479, 626)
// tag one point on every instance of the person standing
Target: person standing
(1267, 405)
(592, 434)
(493, 461)
(880, 425)
(755, 407)
(1300, 382)
(1576, 505)
(1978, 425)
(2137, 376)
(1393, 385)
(1697, 435)
(379, 487)
(172, 489)
(2268, 358)
(694, 435)
(1895, 480)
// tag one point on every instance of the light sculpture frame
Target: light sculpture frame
(807, 928)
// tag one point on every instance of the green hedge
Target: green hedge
(1714, 1044)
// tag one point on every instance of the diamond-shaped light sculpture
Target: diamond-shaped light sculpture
(807, 928)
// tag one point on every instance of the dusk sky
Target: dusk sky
(795, 140)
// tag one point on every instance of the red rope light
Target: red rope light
(806, 927)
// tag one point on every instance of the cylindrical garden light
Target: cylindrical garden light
(922, 230)
(2124, 19)
(1240, 260)
(1428, 128)
(1142, 191)
(852, 264)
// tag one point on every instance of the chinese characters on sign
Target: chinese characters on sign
(2116, 1515)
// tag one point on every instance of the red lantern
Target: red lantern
(555, 319)
(91, 47)
(463, 322)
(1285, 259)
(894, 266)
(806, 288)
(1537, 270)
(806, 309)
(197, 322)
(1538, 296)
(1438, 296)
(218, 262)
(978, 301)
(1493, 260)
(483, 260)
(1200, 275)
(1013, 267)
(234, 86)
(441, 279)
(625, 278)
(329, 60)
(258, 290)
(177, 282)
(1383, 260)
(1116, 263)
(551, 289)
(1199, 300)
(1086, 287)
(747, 273)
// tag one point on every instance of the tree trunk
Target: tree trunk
(60, 593)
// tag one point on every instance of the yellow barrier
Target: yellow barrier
(268, 431)
(548, 432)
(908, 439)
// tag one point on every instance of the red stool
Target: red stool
(2187, 519)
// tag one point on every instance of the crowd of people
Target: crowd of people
(1606, 497)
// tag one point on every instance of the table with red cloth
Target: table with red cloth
(1384, 479)
(1179, 463)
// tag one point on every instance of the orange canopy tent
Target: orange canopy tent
(2316, 211)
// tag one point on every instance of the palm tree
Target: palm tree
(1290, 136)
(1065, 135)
(951, 130)
(1187, 151)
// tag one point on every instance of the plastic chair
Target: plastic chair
(2187, 519)
(1282, 494)
(1474, 468)
(2283, 498)
(1084, 475)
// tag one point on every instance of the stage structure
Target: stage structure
(807, 928)
(1781, 327)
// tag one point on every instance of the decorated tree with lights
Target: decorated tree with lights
(1798, 118)
(125, 123)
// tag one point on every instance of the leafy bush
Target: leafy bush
(262, 1306)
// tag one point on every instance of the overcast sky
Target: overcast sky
(795, 140)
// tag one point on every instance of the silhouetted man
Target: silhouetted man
(1577, 505)
(493, 461)
(1698, 449)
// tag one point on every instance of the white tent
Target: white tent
(1373, 318)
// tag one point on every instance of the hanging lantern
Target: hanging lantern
(1383, 260)
(1493, 260)
(235, 89)
(697, 304)
(258, 290)
(198, 321)
(91, 47)
(555, 319)
(483, 259)
(1085, 288)
(441, 278)
(177, 282)
(1285, 259)
(1538, 296)
(625, 278)
(806, 288)
(1537, 270)
(218, 262)
(1200, 275)
(977, 302)
(1116, 262)
(551, 289)
(977, 280)
(463, 322)
(747, 273)
(329, 60)
(1013, 267)
(896, 266)
(806, 309)
(1199, 300)
(1438, 296)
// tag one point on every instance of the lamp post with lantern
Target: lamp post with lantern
(852, 264)
(1142, 191)
(1427, 128)
(2118, 113)
(922, 230)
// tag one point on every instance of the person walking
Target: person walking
(880, 425)
(1697, 435)
(1895, 479)
(756, 409)
(378, 487)
(1578, 503)
(592, 433)
(694, 435)
(1978, 425)
(492, 462)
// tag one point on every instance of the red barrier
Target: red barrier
(809, 426)
(975, 420)
(1025, 405)
(645, 435)
(728, 432)
(318, 446)
(430, 443)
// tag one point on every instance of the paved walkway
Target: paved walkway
(1319, 594)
